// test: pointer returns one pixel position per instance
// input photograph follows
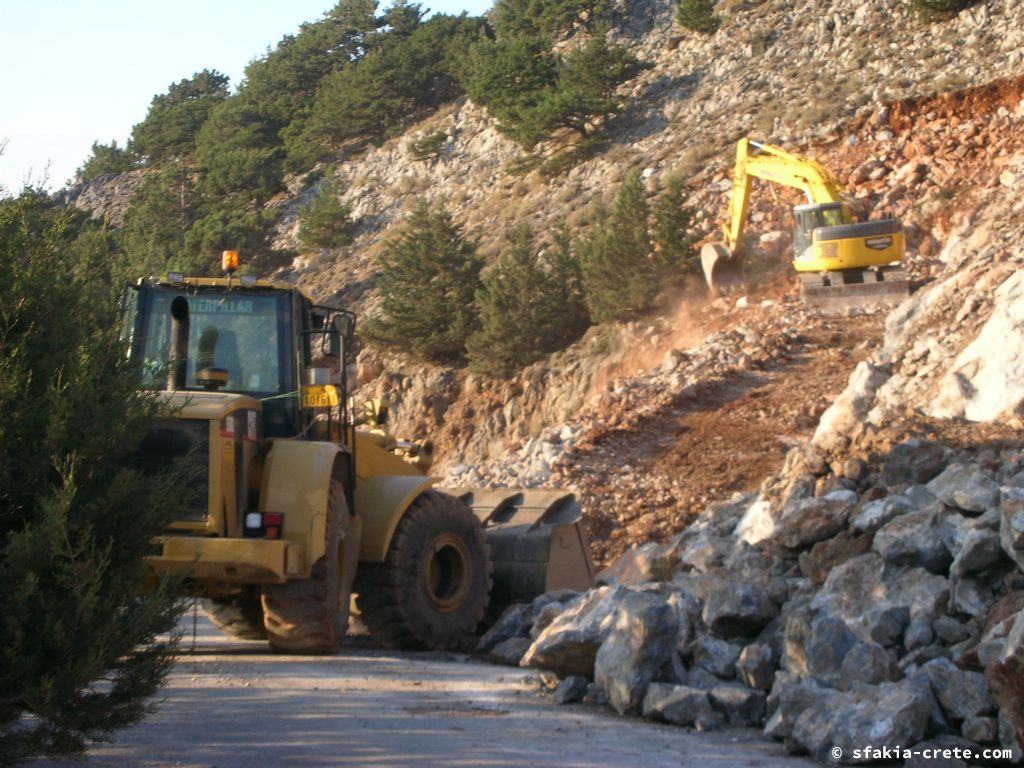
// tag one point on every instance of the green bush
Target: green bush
(326, 221)
(942, 7)
(79, 656)
(428, 147)
(698, 15)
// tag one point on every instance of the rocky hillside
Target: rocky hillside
(651, 420)
(684, 115)
(790, 72)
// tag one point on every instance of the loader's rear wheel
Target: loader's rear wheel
(240, 616)
(311, 615)
(432, 589)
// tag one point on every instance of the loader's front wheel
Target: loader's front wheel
(311, 615)
(432, 589)
(238, 616)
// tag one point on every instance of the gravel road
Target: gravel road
(231, 704)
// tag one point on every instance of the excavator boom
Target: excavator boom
(755, 160)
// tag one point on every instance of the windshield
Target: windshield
(832, 217)
(237, 333)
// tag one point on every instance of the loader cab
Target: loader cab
(807, 218)
(258, 339)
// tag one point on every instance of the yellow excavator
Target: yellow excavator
(841, 263)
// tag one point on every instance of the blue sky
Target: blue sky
(75, 72)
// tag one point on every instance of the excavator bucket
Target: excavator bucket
(723, 269)
(537, 542)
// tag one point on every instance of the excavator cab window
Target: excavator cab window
(807, 218)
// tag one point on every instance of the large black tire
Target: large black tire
(311, 615)
(240, 616)
(432, 588)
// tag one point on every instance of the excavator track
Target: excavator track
(841, 291)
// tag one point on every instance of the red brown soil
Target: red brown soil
(647, 481)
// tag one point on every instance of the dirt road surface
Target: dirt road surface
(231, 704)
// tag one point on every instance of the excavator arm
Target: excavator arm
(755, 160)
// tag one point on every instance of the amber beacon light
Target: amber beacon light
(229, 261)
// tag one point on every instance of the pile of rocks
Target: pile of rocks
(883, 618)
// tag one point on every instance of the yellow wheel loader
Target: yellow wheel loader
(841, 263)
(295, 506)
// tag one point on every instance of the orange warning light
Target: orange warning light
(229, 261)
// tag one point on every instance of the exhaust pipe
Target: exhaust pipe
(179, 344)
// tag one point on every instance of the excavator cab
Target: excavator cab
(807, 218)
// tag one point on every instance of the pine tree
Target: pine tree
(569, 300)
(226, 226)
(670, 231)
(162, 210)
(245, 174)
(326, 221)
(427, 286)
(547, 17)
(410, 69)
(585, 93)
(622, 273)
(508, 78)
(698, 15)
(530, 305)
(537, 96)
(79, 655)
(176, 117)
(106, 159)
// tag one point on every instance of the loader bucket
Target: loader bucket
(537, 542)
(722, 267)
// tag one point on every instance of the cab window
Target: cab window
(237, 332)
